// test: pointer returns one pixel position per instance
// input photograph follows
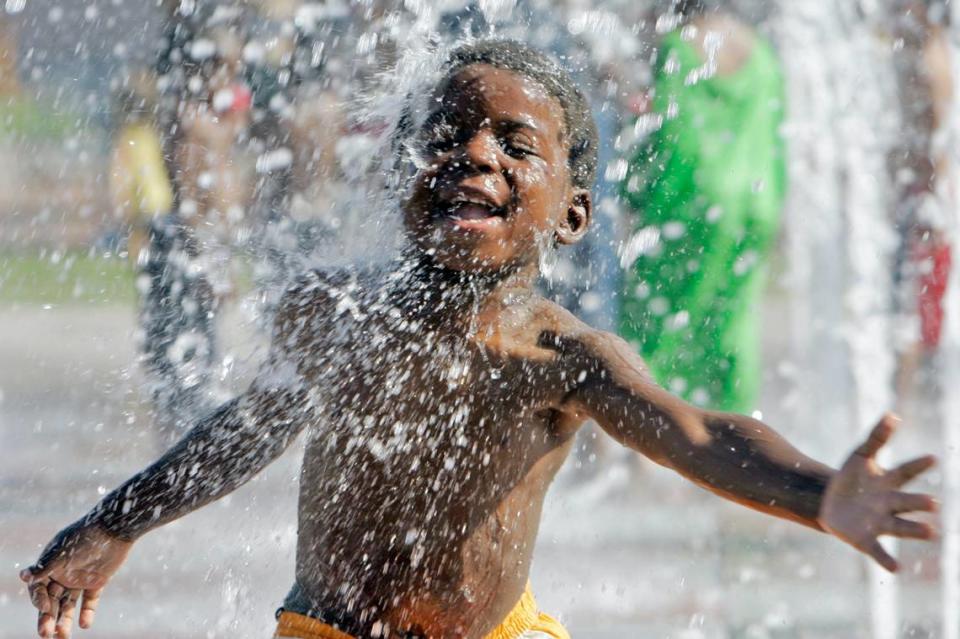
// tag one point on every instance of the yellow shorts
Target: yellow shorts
(523, 622)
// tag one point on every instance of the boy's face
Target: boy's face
(496, 187)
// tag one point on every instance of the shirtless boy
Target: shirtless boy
(442, 395)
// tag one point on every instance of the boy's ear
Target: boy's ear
(574, 225)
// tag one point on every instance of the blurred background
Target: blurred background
(775, 216)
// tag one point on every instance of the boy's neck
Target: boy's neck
(441, 295)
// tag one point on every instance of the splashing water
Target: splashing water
(379, 332)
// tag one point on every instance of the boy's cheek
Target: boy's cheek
(420, 195)
(540, 209)
(427, 175)
(421, 189)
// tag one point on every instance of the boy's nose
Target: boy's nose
(482, 151)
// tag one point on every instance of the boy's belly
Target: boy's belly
(436, 587)
(447, 564)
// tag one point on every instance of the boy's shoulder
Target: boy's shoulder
(319, 286)
(315, 296)
(550, 314)
(559, 329)
(548, 321)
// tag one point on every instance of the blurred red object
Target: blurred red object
(639, 103)
(935, 257)
(242, 99)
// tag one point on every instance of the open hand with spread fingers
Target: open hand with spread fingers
(863, 501)
(72, 569)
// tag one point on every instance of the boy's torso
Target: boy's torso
(425, 473)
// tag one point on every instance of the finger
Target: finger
(911, 469)
(46, 624)
(67, 607)
(91, 598)
(55, 589)
(909, 502)
(879, 436)
(906, 529)
(39, 596)
(55, 592)
(881, 556)
(33, 572)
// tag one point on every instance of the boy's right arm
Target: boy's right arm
(220, 454)
(226, 449)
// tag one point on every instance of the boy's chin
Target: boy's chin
(465, 260)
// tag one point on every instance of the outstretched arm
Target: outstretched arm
(221, 453)
(741, 458)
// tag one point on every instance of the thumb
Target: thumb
(51, 559)
(30, 573)
(879, 436)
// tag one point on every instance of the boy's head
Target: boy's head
(508, 151)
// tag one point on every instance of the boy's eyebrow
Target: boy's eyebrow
(514, 124)
(508, 124)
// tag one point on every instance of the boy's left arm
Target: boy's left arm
(741, 458)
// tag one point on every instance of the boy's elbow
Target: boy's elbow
(678, 441)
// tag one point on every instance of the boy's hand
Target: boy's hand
(78, 562)
(863, 501)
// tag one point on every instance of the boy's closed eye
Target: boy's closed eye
(440, 135)
(518, 146)
(519, 139)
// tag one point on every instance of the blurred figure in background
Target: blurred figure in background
(214, 116)
(298, 121)
(921, 174)
(706, 190)
(186, 271)
(140, 186)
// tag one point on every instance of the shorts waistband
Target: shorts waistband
(524, 617)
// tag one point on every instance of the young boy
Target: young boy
(443, 395)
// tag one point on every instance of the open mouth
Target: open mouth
(472, 210)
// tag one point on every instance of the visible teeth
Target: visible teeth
(470, 200)
(472, 212)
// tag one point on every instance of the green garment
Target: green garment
(711, 181)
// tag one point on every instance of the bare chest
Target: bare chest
(424, 477)
(429, 407)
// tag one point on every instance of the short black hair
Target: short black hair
(579, 127)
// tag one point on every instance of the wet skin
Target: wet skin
(442, 397)
(452, 517)
(496, 189)
(445, 487)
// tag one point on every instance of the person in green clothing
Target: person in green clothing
(706, 190)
